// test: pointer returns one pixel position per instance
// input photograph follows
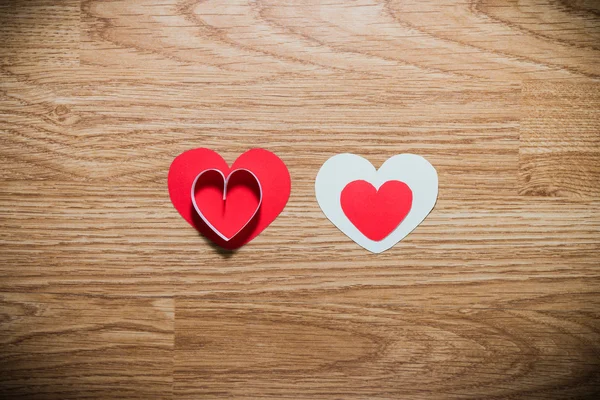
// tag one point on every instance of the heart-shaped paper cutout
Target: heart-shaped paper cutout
(270, 172)
(226, 204)
(376, 212)
(413, 170)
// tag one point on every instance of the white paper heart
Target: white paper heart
(341, 169)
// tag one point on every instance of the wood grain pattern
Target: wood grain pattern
(375, 350)
(118, 240)
(105, 292)
(65, 346)
(560, 140)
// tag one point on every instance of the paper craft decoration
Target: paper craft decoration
(376, 208)
(230, 206)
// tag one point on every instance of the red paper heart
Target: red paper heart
(233, 217)
(376, 213)
(226, 204)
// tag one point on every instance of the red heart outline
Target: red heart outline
(270, 171)
(197, 182)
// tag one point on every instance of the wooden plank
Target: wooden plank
(39, 33)
(130, 132)
(117, 239)
(75, 347)
(450, 38)
(280, 350)
(560, 139)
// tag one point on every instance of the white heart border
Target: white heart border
(341, 169)
(225, 181)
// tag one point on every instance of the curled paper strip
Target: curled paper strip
(225, 182)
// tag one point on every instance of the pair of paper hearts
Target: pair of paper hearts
(232, 205)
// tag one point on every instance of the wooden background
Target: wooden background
(105, 292)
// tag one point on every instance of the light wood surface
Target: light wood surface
(105, 292)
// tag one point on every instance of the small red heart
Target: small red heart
(376, 213)
(227, 203)
(233, 217)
